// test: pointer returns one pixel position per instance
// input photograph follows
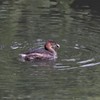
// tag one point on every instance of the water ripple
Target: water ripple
(90, 65)
(86, 61)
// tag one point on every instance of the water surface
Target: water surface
(73, 76)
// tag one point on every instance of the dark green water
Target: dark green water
(74, 76)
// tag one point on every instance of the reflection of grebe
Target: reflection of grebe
(48, 52)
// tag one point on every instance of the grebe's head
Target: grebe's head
(51, 44)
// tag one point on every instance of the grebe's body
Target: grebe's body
(46, 53)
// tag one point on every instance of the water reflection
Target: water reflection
(39, 63)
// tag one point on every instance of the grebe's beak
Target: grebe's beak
(57, 45)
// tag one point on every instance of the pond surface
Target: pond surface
(73, 76)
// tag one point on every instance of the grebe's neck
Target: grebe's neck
(53, 51)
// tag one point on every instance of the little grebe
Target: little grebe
(48, 52)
